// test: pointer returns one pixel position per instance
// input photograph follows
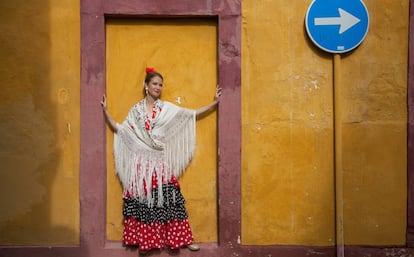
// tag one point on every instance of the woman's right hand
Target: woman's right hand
(103, 102)
(112, 123)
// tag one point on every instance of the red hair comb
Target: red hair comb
(149, 70)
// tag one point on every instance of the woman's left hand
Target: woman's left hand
(218, 93)
(211, 105)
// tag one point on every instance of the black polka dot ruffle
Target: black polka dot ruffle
(172, 208)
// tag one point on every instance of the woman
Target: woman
(152, 148)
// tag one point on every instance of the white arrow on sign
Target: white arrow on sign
(345, 20)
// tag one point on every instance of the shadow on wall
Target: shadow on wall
(29, 153)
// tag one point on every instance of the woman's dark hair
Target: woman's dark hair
(150, 75)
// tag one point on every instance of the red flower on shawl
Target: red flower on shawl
(149, 70)
(147, 125)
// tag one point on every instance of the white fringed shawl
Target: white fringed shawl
(165, 150)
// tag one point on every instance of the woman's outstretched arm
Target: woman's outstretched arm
(111, 122)
(209, 107)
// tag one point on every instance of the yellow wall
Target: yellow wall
(288, 183)
(185, 53)
(287, 190)
(374, 129)
(39, 127)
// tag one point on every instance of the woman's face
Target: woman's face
(154, 87)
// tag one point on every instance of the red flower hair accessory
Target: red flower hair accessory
(149, 70)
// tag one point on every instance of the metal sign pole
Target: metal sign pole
(337, 27)
(338, 169)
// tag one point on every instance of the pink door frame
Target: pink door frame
(93, 162)
(228, 14)
(410, 132)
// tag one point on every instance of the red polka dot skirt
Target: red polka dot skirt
(157, 227)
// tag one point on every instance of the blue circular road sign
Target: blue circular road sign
(337, 26)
